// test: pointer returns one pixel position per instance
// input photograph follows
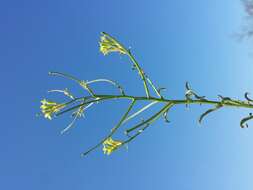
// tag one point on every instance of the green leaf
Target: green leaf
(209, 111)
(243, 123)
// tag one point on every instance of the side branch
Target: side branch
(140, 71)
(112, 131)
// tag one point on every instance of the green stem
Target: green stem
(53, 73)
(79, 105)
(113, 130)
(136, 64)
(143, 98)
(153, 86)
(140, 71)
(152, 118)
(145, 127)
(108, 81)
(177, 101)
(140, 111)
(81, 83)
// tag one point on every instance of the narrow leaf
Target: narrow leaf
(243, 123)
(165, 116)
(246, 95)
(209, 111)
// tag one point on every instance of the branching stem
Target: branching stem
(99, 98)
(113, 130)
(109, 44)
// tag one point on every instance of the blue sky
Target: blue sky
(175, 42)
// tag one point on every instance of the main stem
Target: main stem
(99, 98)
(168, 104)
(242, 104)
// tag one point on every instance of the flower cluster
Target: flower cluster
(108, 45)
(48, 108)
(110, 145)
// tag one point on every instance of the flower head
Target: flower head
(110, 145)
(109, 44)
(48, 108)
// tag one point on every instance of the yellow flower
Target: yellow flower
(48, 108)
(109, 44)
(110, 145)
